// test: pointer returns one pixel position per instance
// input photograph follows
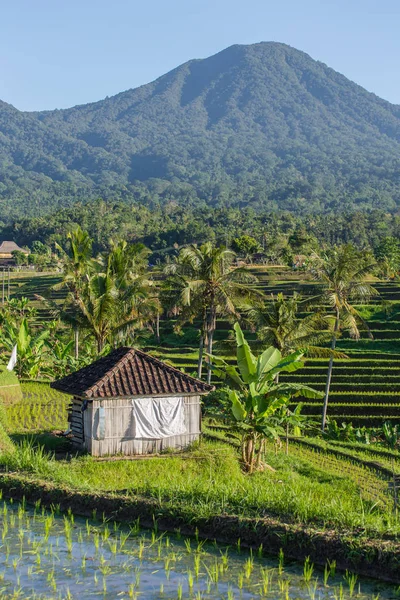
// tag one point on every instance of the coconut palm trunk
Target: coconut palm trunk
(201, 353)
(100, 344)
(330, 367)
(76, 342)
(343, 274)
(158, 327)
(201, 345)
(212, 323)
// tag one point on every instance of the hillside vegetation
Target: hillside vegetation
(263, 124)
(365, 385)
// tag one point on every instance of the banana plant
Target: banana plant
(30, 349)
(61, 357)
(391, 434)
(255, 395)
(293, 419)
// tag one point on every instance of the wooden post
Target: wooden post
(4, 275)
(287, 439)
(395, 485)
(8, 285)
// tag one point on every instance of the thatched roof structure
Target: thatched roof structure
(7, 248)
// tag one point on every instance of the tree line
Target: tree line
(274, 237)
(115, 298)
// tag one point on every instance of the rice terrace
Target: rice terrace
(199, 301)
(317, 517)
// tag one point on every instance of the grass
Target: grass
(309, 488)
(205, 483)
(6, 444)
(209, 481)
(382, 457)
(364, 386)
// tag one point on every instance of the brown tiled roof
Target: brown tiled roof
(9, 247)
(129, 372)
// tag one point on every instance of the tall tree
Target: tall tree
(342, 274)
(126, 261)
(110, 295)
(278, 324)
(246, 246)
(76, 263)
(209, 286)
(117, 297)
(388, 255)
(138, 304)
(98, 304)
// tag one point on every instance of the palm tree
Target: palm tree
(127, 261)
(97, 304)
(138, 303)
(111, 295)
(208, 286)
(118, 296)
(277, 324)
(75, 266)
(343, 276)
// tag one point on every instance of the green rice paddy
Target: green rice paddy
(47, 555)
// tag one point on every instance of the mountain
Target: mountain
(262, 125)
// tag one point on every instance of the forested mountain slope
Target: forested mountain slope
(263, 124)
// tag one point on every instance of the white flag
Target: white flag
(13, 359)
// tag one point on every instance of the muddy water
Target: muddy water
(47, 555)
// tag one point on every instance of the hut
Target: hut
(6, 252)
(129, 402)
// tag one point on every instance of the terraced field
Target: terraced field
(365, 387)
(28, 284)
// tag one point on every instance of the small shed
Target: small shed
(129, 402)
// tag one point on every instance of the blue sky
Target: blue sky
(59, 53)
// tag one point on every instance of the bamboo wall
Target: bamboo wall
(114, 424)
(76, 423)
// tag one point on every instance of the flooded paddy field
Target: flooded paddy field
(45, 554)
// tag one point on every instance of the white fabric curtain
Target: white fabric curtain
(156, 418)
